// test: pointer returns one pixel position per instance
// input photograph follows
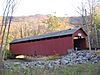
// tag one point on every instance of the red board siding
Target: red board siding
(80, 31)
(44, 47)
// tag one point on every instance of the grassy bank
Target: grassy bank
(84, 69)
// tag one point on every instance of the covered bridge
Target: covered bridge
(51, 43)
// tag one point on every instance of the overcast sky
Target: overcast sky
(32, 7)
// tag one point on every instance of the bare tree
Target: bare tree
(93, 37)
(89, 6)
(88, 32)
(6, 21)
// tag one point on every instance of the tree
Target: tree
(97, 16)
(6, 21)
(56, 23)
(89, 6)
(97, 23)
(92, 22)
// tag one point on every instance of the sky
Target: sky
(54, 7)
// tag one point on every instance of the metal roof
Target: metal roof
(54, 34)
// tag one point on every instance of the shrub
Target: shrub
(9, 55)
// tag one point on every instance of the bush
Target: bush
(9, 55)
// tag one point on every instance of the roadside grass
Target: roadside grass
(98, 51)
(81, 69)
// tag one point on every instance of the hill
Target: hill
(24, 26)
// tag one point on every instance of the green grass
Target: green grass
(83, 69)
(98, 51)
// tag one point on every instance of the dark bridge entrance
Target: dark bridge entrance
(80, 43)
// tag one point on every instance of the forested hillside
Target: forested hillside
(25, 26)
